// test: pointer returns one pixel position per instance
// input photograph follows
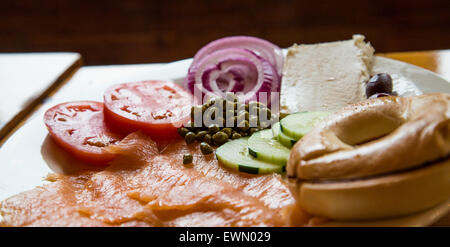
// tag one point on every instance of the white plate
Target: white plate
(28, 155)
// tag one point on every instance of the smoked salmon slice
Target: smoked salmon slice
(147, 187)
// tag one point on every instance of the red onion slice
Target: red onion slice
(234, 70)
(260, 47)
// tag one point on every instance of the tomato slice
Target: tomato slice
(80, 129)
(156, 107)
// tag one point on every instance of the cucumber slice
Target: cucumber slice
(263, 146)
(235, 155)
(281, 137)
(299, 124)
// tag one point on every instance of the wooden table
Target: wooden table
(437, 61)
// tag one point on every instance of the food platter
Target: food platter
(29, 154)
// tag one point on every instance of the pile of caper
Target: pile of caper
(222, 119)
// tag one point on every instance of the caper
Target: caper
(182, 131)
(261, 105)
(199, 136)
(227, 131)
(243, 115)
(243, 125)
(220, 138)
(205, 148)
(211, 112)
(230, 106)
(233, 121)
(266, 111)
(253, 121)
(187, 159)
(243, 133)
(252, 131)
(211, 101)
(195, 110)
(204, 108)
(189, 137)
(230, 113)
(235, 136)
(221, 121)
(240, 107)
(207, 138)
(213, 128)
(230, 96)
(190, 126)
(252, 104)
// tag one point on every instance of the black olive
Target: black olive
(379, 83)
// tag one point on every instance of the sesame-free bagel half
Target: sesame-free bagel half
(375, 137)
(380, 158)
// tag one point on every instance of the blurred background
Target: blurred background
(146, 31)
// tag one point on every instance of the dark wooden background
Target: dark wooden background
(139, 31)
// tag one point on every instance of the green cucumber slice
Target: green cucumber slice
(263, 146)
(234, 154)
(281, 137)
(299, 124)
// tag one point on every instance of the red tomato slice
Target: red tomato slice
(156, 107)
(80, 129)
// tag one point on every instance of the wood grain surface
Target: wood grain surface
(147, 31)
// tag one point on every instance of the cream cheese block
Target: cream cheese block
(325, 76)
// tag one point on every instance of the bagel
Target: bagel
(379, 158)
(375, 137)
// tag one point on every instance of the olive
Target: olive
(252, 104)
(379, 83)
(220, 138)
(379, 95)
(227, 131)
(199, 136)
(187, 159)
(235, 136)
(213, 128)
(207, 138)
(205, 148)
(252, 131)
(182, 131)
(189, 137)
